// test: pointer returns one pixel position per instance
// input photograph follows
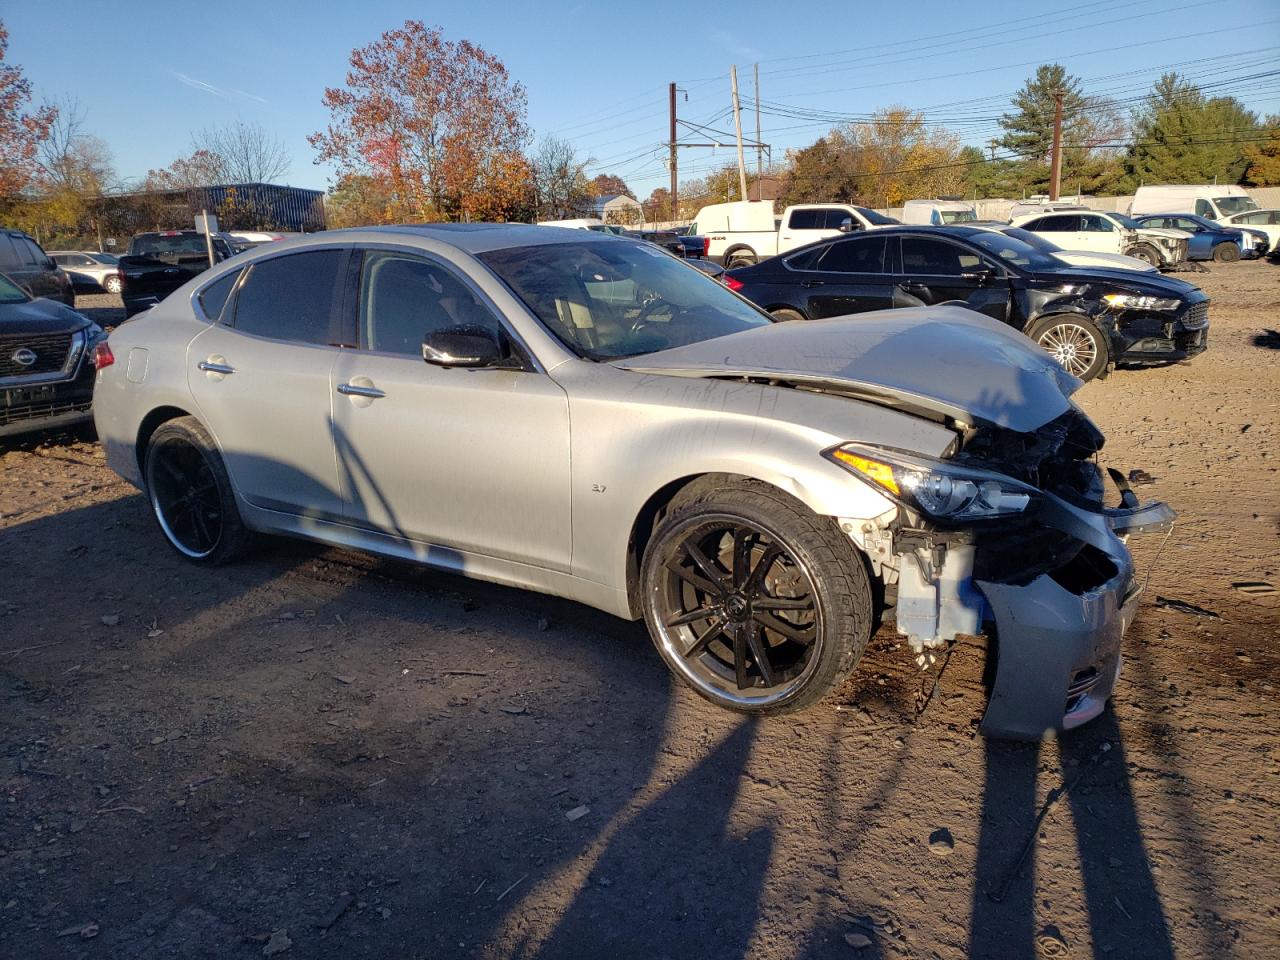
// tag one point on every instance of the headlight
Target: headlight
(950, 492)
(1136, 301)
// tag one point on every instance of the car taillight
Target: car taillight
(102, 356)
(733, 283)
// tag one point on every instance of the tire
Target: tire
(112, 285)
(820, 607)
(1226, 252)
(786, 313)
(1076, 342)
(742, 257)
(1146, 253)
(182, 462)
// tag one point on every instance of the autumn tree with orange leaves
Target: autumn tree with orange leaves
(438, 126)
(21, 133)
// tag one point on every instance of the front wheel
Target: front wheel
(754, 601)
(1147, 254)
(112, 285)
(191, 494)
(1077, 343)
(1226, 252)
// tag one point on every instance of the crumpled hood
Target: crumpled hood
(1167, 232)
(945, 359)
(40, 316)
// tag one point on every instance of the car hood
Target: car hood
(40, 316)
(1094, 258)
(944, 360)
(1157, 284)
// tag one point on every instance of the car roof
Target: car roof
(478, 237)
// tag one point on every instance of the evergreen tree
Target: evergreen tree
(1182, 136)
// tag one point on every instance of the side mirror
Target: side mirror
(846, 225)
(462, 347)
(983, 275)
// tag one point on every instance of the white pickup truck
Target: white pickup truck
(747, 231)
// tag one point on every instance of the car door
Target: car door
(1060, 228)
(1096, 232)
(807, 224)
(261, 379)
(933, 270)
(847, 276)
(471, 460)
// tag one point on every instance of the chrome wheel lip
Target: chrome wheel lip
(159, 510)
(674, 641)
(1072, 346)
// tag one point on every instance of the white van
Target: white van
(1202, 199)
(939, 212)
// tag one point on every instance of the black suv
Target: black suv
(24, 262)
(47, 356)
(1088, 318)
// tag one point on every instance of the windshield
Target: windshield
(1128, 222)
(10, 292)
(611, 300)
(878, 219)
(957, 216)
(1012, 249)
(1230, 205)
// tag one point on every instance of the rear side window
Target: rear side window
(9, 258)
(214, 296)
(296, 297)
(861, 255)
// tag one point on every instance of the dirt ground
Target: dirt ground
(319, 754)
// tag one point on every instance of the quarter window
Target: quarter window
(404, 297)
(295, 297)
(860, 255)
(214, 296)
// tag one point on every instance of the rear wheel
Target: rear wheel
(786, 313)
(1226, 252)
(1075, 342)
(743, 257)
(754, 601)
(191, 494)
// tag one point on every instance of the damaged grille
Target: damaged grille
(1057, 456)
(1196, 317)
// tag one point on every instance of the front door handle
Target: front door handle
(213, 366)
(356, 390)
(812, 283)
(911, 287)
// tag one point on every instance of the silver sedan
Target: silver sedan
(587, 416)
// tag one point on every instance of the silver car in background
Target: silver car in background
(587, 416)
(89, 271)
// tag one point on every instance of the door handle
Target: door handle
(355, 390)
(209, 366)
(912, 287)
(812, 283)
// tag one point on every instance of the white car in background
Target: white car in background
(1099, 231)
(1075, 258)
(89, 270)
(1262, 221)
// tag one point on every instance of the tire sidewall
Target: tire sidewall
(1226, 252)
(1102, 359)
(786, 314)
(1146, 253)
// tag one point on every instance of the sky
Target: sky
(147, 75)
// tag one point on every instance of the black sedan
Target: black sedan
(1087, 318)
(47, 360)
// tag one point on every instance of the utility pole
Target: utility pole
(1055, 163)
(675, 210)
(759, 145)
(737, 126)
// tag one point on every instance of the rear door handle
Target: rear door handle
(209, 366)
(812, 283)
(355, 390)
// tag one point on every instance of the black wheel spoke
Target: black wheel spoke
(740, 655)
(741, 556)
(781, 603)
(707, 566)
(693, 579)
(767, 559)
(700, 645)
(693, 616)
(758, 654)
(788, 630)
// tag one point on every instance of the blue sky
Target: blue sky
(148, 74)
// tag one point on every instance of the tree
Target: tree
(359, 200)
(201, 169)
(561, 189)
(21, 132)
(658, 207)
(440, 121)
(609, 185)
(1182, 136)
(243, 153)
(1264, 157)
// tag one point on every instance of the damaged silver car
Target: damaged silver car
(589, 417)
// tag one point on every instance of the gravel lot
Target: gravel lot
(324, 753)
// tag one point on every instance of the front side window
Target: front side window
(295, 297)
(1097, 225)
(1203, 208)
(859, 255)
(10, 292)
(32, 255)
(608, 300)
(1062, 223)
(935, 258)
(404, 297)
